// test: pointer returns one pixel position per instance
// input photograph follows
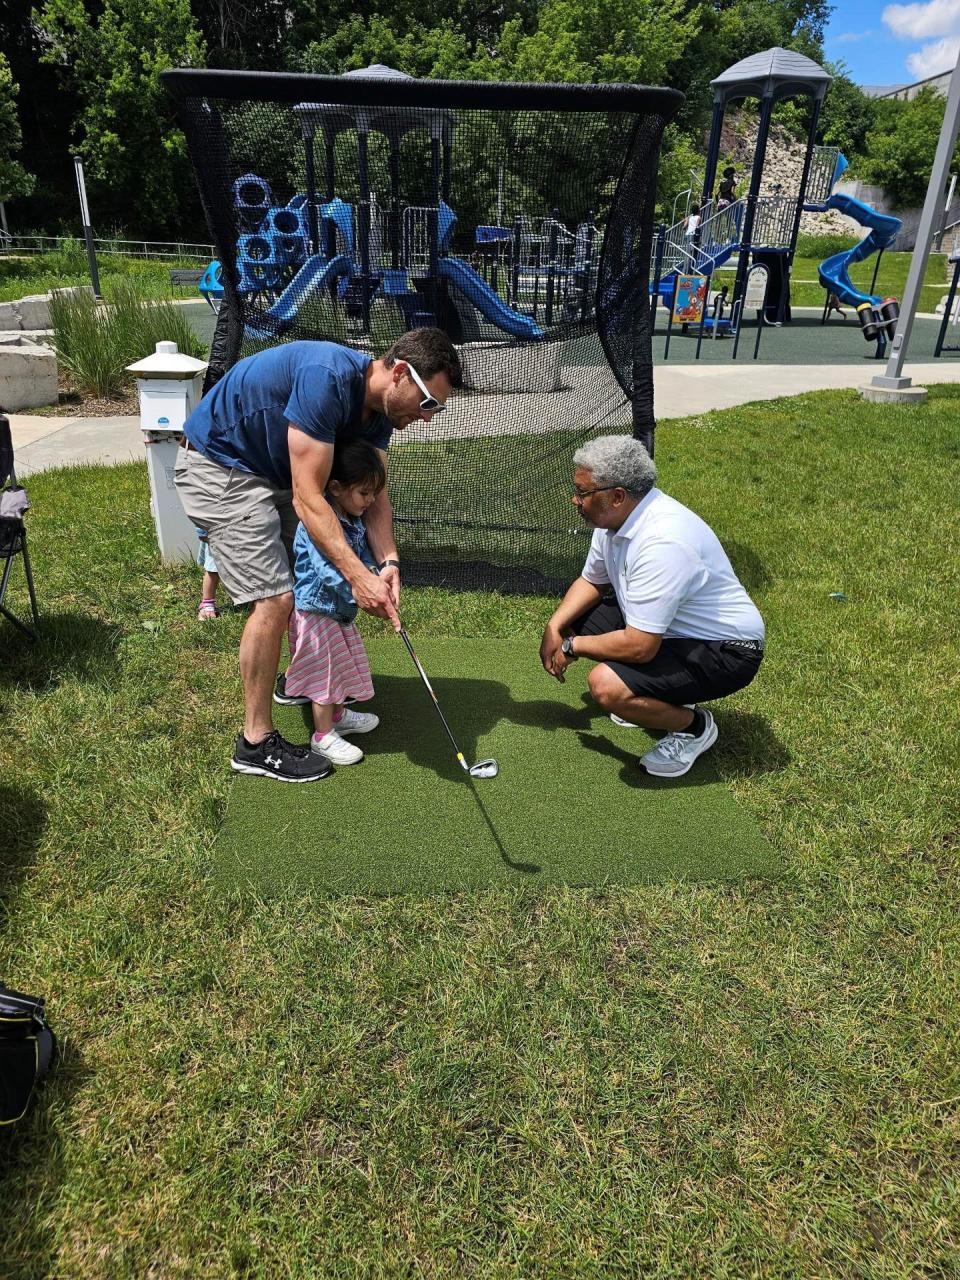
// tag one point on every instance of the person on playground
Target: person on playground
(657, 607)
(727, 191)
(329, 665)
(256, 458)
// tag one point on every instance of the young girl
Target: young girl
(207, 609)
(329, 664)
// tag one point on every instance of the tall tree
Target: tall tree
(15, 180)
(902, 145)
(134, 155)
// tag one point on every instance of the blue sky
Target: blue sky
(894, 43)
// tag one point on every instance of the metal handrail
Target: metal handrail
(123, 248)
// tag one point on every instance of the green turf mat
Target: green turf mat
(570, 806)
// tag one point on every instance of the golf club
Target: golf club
(483, 768)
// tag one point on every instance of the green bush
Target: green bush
(96, 341)
(823, 246)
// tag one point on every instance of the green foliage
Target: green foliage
(14, 178)
(134, 155)
(577, 41)
(95, 342)
(902, 144)
(321, 317)
(848, 114)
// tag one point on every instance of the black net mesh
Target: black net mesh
(518, 218)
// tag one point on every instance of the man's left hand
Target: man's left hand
(391, 576)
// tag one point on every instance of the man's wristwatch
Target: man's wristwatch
(567, 649)
(384, 564)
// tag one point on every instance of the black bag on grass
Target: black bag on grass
(27, 1046)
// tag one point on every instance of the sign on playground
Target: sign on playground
(756, 289)
(689, 299)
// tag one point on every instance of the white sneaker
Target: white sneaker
(675, 753)
(336, 749)
(356, 721)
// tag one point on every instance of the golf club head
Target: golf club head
(484, 769)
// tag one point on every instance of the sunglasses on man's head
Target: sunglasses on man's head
(429, 403)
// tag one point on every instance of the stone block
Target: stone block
(28, 374)
(34, 311)
(9, 317)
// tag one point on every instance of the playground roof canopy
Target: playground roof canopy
(774, 73)
(394, 122)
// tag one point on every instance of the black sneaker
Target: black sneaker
(285, 699)
(276, 758)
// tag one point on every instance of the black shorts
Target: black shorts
(683, 671)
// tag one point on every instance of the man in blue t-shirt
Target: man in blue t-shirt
(256, 459)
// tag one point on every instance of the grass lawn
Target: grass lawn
(39, 273)
(674, 1080)
(806, 291)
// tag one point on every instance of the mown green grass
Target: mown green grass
(39, 273)
(673, 1080)
(805, 291)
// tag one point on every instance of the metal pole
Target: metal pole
(943, 221)
(892, 379)
(87, 229)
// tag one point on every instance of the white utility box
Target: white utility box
(170, 385)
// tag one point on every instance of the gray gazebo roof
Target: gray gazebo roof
(335, 117)
(776, 73)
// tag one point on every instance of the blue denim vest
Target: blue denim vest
(319, 587)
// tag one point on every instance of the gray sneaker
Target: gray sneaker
(675, 753)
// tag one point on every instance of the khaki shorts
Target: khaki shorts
(249, 524)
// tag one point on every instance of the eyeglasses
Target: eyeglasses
(429, 403)
(579, 494)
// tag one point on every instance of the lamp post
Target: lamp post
(87, 229)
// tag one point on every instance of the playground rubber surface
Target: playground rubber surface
(804, 341)
(571, 804)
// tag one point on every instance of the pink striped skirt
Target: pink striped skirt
(329, 662)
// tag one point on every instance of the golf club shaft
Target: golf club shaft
(426, 680)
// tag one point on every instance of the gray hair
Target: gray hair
(618, 460)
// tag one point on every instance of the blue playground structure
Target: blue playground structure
(761, 228)
(523, 282)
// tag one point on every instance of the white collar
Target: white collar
(629, 526)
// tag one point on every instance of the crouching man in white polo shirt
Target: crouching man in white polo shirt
(658, 607)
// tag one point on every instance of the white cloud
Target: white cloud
(934, 58)
(852, 37)
(921, 21)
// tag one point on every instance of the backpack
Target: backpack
(27, 1046)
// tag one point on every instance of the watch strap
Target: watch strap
(385, 564)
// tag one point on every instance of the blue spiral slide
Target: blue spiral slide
(834, 271)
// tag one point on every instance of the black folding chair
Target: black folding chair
(13, 533)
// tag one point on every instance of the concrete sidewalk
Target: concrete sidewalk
(681, 391)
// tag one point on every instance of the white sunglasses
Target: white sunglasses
(429, 403)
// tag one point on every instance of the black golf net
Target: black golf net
(518, 218)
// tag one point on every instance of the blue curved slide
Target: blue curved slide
(315, 273)
(834, 271)
(490, 305)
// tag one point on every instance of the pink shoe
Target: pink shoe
(207, 612)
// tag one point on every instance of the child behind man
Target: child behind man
(329, 664)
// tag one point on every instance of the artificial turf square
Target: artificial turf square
(570, 806)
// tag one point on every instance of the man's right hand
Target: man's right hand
(550, 645)
(372, 595)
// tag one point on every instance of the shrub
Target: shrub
(96, 341)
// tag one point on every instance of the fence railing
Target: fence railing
(125, 248)
(823, 165)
